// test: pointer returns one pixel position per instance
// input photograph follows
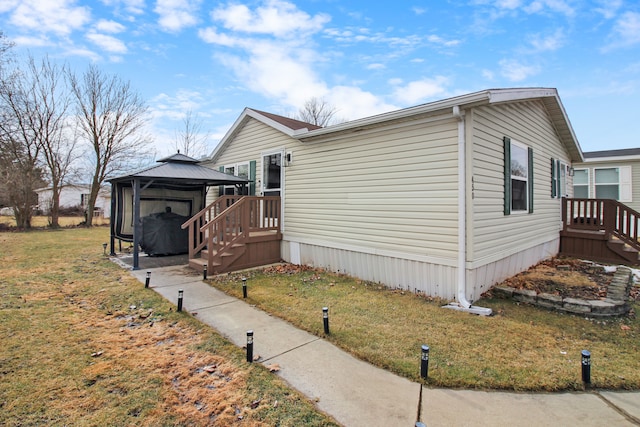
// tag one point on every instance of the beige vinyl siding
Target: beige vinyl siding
(392, 190)
(251, 141)
(635, 177)
(496, 236)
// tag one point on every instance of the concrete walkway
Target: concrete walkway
(358, 394)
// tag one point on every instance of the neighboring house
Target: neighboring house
(76, 195)
(609, 174)
(445, 198)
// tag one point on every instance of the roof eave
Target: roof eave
(489, 96)
(237, 125)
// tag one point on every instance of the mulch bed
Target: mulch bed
(568, 278)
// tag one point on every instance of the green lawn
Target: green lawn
(519, 348)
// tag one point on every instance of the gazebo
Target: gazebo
(160, 198)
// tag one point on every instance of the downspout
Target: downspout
(462, 304)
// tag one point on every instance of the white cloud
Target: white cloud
(488, 74)
(508, 4)
(177, 14)
(108, 43)
(626, 31)
(211, 35)
(165, 106)
(56, 16)
(609, 8)
(85, 53)
(418, 91)
(439, 40)
(7, 5)
(278, 72)
(27, 41)
(376, 66)
(273, 56)
(548, 43)
(275, 17)
(354, 103)
(109, 26)
(135, 7)
(559, 6)
(516, 71)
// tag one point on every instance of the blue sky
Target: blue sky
(362, 57)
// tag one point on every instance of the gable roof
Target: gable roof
(623, 154)
(182, 169)
(306, 132)
(286, 125)
(289, 122)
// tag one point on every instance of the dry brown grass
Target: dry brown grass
(44, 221)
(83, 343)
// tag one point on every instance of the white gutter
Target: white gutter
(463, 304)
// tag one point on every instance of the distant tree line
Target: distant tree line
(57, 126)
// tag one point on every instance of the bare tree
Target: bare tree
(317, 111)
(49, 99)
(20, 144)
(190, 140)
(112, 117)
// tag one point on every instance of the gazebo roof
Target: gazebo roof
(181, 169)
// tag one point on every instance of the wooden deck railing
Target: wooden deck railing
(196, 222)
(229, 220)
(602, 215)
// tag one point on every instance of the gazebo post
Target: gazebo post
(137, 224)
(112, 224)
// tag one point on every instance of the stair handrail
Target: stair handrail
(606, 215)
(197, 221)
(226, 229)
(626, 222)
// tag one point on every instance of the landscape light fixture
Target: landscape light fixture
(180, 293)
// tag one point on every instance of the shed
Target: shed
(163, 196)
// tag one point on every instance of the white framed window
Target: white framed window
(559, 173)
(612, 183)
(518, 177)
(581, 183)
(243, 170)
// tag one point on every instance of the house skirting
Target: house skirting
(433, 278)
(481, 277)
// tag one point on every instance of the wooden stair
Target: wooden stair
(220, 262)
(247, 234)
(630, 254)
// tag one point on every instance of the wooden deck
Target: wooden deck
(600, 230)
(235, 232)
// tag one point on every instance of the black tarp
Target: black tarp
(162, 234)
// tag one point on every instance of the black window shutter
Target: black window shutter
(252, 177)
(554, 179)
(507, 175)
(530, 178)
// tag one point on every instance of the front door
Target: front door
(272, 174)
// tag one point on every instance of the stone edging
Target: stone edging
(615, 304)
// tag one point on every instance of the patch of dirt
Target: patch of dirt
(568, 278)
